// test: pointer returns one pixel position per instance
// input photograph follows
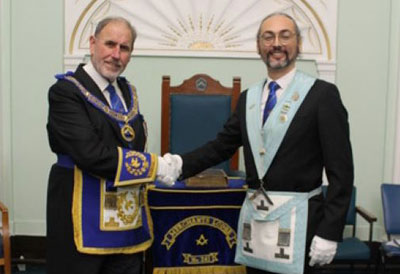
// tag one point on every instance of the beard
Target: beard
(279, 64)
(110, 75)
(108, 69)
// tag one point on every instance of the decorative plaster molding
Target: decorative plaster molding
(208, 28)
(326, 70)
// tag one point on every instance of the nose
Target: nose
(276, 41)
(116, 52)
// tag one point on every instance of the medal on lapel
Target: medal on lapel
(283, 117)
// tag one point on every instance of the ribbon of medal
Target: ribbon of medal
(123, 119)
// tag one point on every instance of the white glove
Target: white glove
(163, 172)
(322, 251)
(169, 168)
(175, 162)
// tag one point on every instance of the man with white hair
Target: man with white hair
(97, 218)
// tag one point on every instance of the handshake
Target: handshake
(169, 168)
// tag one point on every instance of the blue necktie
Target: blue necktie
(116, 103)
(271, 101)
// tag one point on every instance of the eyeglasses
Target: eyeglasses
(284, 37)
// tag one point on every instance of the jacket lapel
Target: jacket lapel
(125, 93)
(89, 84)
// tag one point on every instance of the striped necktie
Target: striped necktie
(116, 103)
(271, 101)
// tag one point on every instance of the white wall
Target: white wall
(5, 111)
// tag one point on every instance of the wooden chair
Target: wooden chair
(5, 252)
(194, 112)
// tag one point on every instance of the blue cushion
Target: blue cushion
(1, 246)
(391, 205)
(196, 119)
(352, 249)
(391, 250)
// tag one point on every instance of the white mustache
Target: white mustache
(114, 63)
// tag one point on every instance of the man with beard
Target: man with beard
(291, 127)
(97, 217)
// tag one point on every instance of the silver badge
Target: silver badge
(246, 235)
(284, 237)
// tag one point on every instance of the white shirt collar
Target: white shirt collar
(100, 81)
(283, 83)
(285, 80)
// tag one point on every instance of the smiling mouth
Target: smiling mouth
(277, 54)
(113, 65)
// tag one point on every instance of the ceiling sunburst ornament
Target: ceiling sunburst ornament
(223, 28)
(205, 35)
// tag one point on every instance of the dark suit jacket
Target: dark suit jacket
(78, 129)
(317, 138)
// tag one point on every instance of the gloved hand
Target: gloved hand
(322, 251)
(164, 172)
(174, 161)
(169, 168)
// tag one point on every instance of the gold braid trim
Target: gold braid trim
(234, 269)
(106, 109)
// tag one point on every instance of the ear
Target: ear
(92, 42)
(258, 47)
(133, 46)
(299, 45)
(130, 54)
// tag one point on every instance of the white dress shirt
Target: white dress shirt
(103, 83)
(283, 83)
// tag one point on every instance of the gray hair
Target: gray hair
(296, 27)
(104, 22)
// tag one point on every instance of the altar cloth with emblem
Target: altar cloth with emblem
(195, 229)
